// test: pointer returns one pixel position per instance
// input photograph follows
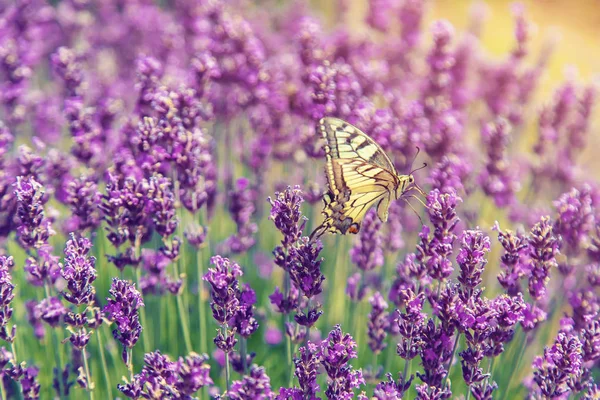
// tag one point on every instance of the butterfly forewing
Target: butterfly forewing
(359, 174)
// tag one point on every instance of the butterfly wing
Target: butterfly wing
(359, 174)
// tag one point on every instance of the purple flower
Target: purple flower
(321, 81)
(194, 373)
(335, 353)
(434, 252)
(6, 297)
(162, 377)
(513, 260)
(285, 304)
(65, 64)
(390, 389)
(273, 336)
(255, 385)
(290, 394)
(427, 392)
(35, 228)
(411, 16)
(122, 309)
(441, 61)
(575, 218)
(29, 383)
(380, 14)
(471, 259)
(223, 279)
(126, 210)
(79, 270)
(435, 352)
(367, 252)
(586, 306)
(590, 341)
(196, 235)
(498, 179)
(162, 204)
(355, 287)
(83, 200)
(560, 362)
(378, 323)
(34, 318)
(51, 310)
(450, 174)
(286, 215)
(507, 312)
(44, 269)
(410, 325)
(305, 267)
(543, 247)
(241, 208)
(532, 317)
(244, 320)
(307, 369)
(88, 140)
(407, 272)
(156, 280)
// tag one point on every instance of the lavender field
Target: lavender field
(162, 170)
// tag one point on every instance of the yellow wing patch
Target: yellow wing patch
(359, 174)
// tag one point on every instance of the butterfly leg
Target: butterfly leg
(318, 232)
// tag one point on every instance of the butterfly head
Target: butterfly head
(407, 182)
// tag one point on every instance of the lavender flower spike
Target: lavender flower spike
(123, 308)
(6, 296)
(367, 252)
(378, 323)
(35, 228)
(335, 353)
(471, 259)
(543, 245)
(79, 271)
(286, 214)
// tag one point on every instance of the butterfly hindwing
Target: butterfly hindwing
(359, 174)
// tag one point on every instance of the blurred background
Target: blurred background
(570, 27)
(567, 31)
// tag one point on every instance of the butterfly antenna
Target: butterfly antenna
(418, 169)
(415, 157)
(412, 208)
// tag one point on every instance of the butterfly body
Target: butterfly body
(359, 174)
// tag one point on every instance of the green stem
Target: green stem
(201, 303)
(406, 364)
(13, 347)
(451, 359)
(88, 377)
(201, 291)
(490, 371)
(291, 369)
(2, 392)
(184, 324)
(145, 338)
(130, 363)
(287, 284)
(243, 344)
(104, 365)
(516, 365)
(227, 377)
(185, 327)
(56, 351)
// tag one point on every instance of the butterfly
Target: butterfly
(359, 175)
